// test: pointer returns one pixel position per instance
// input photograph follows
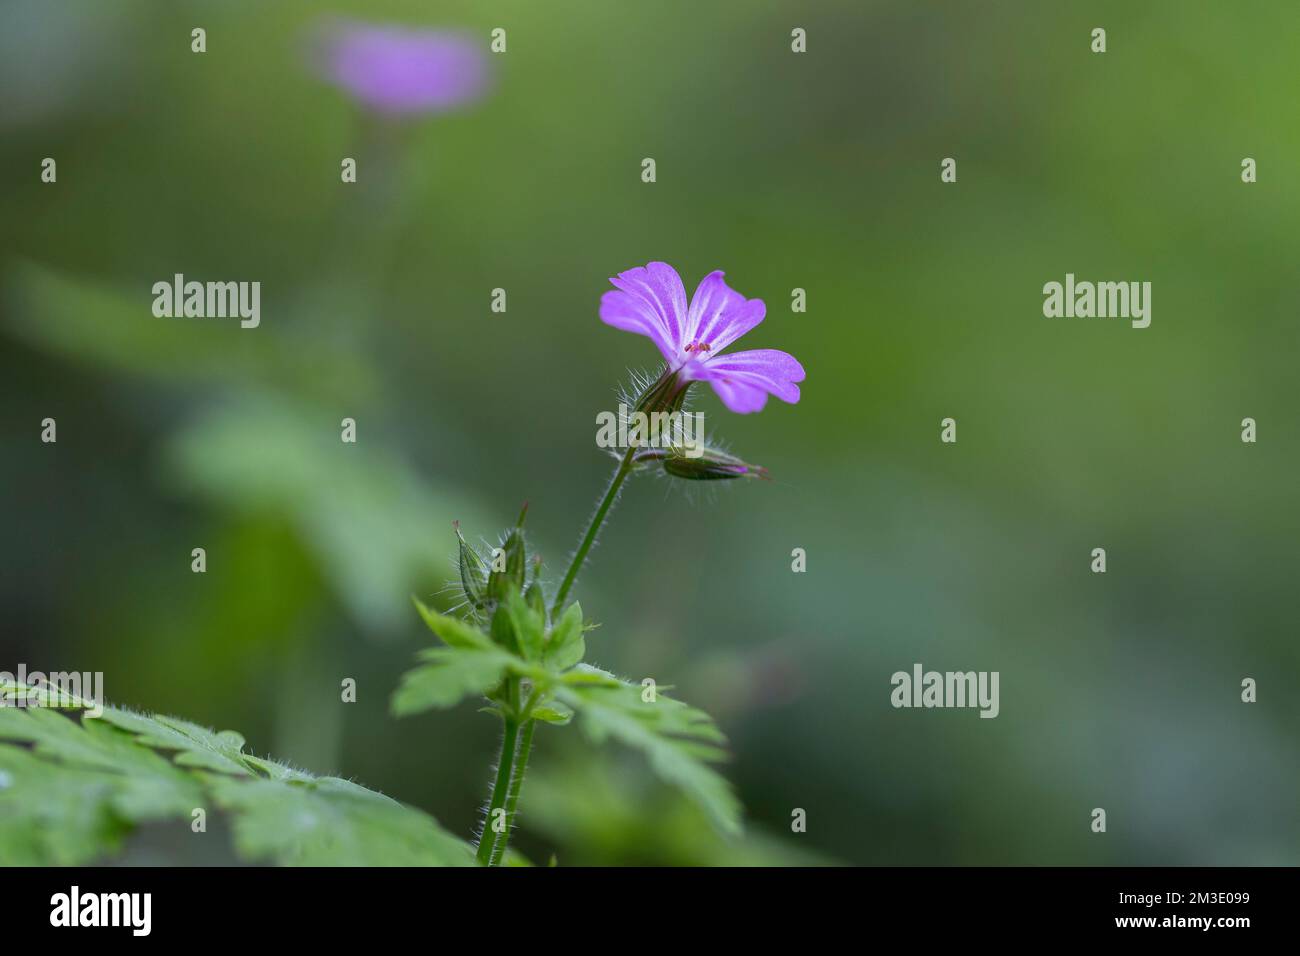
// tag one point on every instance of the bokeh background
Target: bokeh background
(818, 171)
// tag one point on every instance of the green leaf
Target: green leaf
(558, 714)
(320, 821)
(528, 625)
(477, 664)
(586, 674)
(680, 741)
(198, 746)
(150, 786)
(77, 791)
(453, 631)
(364, 528)
(72, 788)
(504, 634)
(566, 646)
(13, 694)
(52, 815)
(449, 675)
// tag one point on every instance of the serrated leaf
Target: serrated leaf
(196, 746)
(142, 785)
(452, 631)
(274, 769)
(53, 815)
(72, 789)
(679, 741)
(449, 675)
(80, 788)
(321, 821)
(566, 646)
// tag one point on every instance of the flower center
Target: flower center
(700, 347)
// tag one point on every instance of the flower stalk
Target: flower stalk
(666, 394)
(593, 528)
(505, 769)
(516, 785)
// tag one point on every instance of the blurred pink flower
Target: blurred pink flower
(400, 70)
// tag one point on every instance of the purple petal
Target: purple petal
(743, 380)
(398, 70)
(651, 301)
(719, 315)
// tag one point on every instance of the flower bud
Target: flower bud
(510, 579)
(713, 464)
(534, 596)
(473, 572)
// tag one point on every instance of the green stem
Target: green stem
(516, 785)
(667, 393)
(505, 765)
(588, 539)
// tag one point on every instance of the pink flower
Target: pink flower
(402, 71)
(651, 301)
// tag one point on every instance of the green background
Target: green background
(818, 171)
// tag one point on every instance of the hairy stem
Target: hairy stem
(516, 784)
(505, 766)
(589, 538)
(666, 393)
